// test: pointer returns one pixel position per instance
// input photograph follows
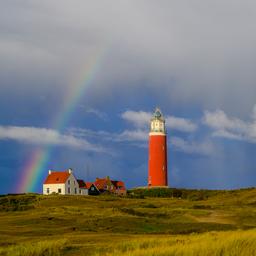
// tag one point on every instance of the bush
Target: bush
(18, 202)
(190, 194)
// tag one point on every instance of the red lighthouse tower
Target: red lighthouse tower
(157, 164)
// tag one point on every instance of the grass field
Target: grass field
(213, 223)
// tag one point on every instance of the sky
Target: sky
(79, 81)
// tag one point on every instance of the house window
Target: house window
(92, 188)
(68, 190)
(75, 191)
(80, 191)
(48, 191)
(68, 182)
(59, 190)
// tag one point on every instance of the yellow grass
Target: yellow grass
(42, 248)
(224, 223)
(228, 243)
(231, 243)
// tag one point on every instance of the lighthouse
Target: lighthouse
(157, 162)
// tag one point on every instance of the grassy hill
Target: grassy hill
(171, 222)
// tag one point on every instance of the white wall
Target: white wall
(54, 188)
(71, 186)
(84, 191)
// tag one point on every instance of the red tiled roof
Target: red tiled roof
(57, 177)
(88, 184)
(118, 184)
(103, 184)
(100, 183)
(121, 188)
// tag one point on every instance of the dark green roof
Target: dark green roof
(158, 114)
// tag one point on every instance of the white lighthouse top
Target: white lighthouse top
(157, 123)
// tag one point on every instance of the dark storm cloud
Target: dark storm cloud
(199, 52)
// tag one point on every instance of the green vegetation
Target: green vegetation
(190, 194)
(145, 222)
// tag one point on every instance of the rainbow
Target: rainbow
(35, 167)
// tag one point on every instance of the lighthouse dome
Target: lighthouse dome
(157, 114)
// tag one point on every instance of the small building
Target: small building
(87, 188)
(106, 185)
(120, 187)
(82, 188)
(63, 183)
(92, 189)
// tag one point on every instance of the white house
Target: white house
(64, 183)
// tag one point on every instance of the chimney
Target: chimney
(70, 170)
(50, 172)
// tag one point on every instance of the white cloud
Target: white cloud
(231, 127)
(126, 135)
(220, 121)
(192, 147)
(180, 124)
(97, 113)
(44, 136)
(133, 135)
(227, 134)
(137, 118)
(141, 119)
(87, 133)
